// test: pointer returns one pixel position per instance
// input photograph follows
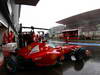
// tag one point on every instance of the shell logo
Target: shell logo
(53, 56)
(63, 51)
(29, 48)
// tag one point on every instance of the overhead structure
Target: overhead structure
(27, 2)
(86, 21)
(35, 28)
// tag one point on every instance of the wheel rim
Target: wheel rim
(11, 66)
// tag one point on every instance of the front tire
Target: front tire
(10, 65)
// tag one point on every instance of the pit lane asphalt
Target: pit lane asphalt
(89, 66)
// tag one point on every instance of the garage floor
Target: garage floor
(89, 66)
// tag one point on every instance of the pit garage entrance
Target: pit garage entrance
(69, 35)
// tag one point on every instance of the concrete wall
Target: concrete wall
(3, 20)
(15, 15)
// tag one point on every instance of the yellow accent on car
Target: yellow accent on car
(53, 56)
(29, 48)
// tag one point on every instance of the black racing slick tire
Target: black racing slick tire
(10, 65)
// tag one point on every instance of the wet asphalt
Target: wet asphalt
(88, 66)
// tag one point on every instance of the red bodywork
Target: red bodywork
(46, 55)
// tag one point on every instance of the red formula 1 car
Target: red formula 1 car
(36, 54)
(42, 54)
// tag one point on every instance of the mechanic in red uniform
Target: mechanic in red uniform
(5, 38)
(11, 37)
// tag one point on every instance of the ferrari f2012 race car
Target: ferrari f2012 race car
(42, 54)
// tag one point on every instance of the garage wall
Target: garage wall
(3, 20)
(15, 14)
(0, 38)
